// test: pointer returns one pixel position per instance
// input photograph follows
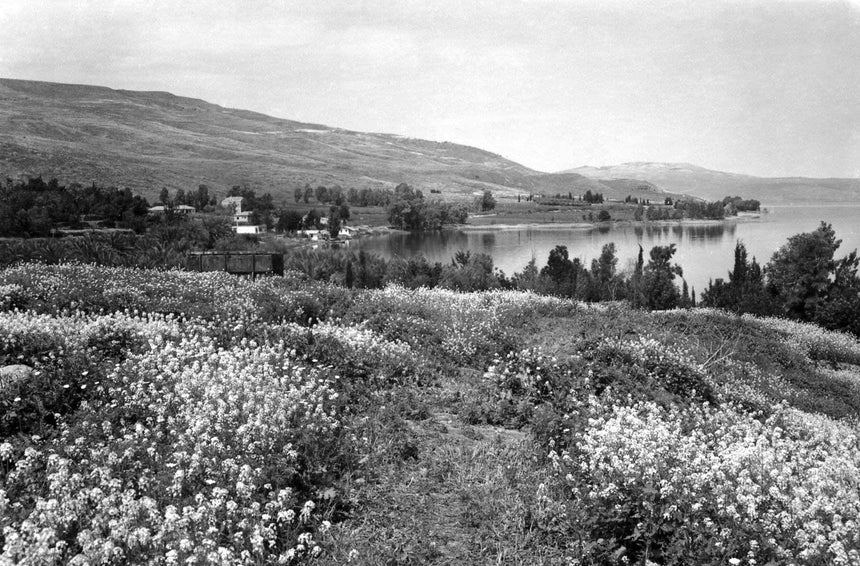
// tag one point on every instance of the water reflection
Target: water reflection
(488, 242)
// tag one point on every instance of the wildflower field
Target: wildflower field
(167, 417)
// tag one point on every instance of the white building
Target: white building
(249, 229)
(242, 217)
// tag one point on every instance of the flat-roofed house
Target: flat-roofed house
(249, 229)
(243, 217)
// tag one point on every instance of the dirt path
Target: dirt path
(465, 498)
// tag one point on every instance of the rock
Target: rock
(16, 373)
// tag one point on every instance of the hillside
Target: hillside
(713, 185)
(147, 140)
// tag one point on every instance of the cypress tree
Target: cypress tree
(349, 278)
(636, 280)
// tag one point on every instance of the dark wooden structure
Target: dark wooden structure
(249, 264)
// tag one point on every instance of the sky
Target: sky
(764, 88)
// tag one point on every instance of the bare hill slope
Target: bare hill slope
(147, 140)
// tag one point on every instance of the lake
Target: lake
(705, 251)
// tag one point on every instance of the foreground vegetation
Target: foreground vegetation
(166, 417)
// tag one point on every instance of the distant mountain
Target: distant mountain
(713, 185)
(149, 140)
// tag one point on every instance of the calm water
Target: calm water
(705, 251)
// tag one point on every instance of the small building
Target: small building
(233, 202)
(315, 235)
(242, 217)
(249, 229)
(182, 209)
(347, 232)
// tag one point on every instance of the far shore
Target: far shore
(549, 225)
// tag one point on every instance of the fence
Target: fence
(249, 264)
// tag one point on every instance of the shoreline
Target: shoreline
(589, 225)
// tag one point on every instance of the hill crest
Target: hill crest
(713, 185)
(149, 140)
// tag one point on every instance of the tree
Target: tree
(202, 197)
(604, 216)
(799, 272)
(604, 277)
(561, 272)
(658, 285)
(297, 194)
(686, 302)
(842, 309)
(349, 277)
(311, 219)
(744, 291)
(321, 194)
(164, 196)
(289, 221)
(343, 210)
(529, 277)
(486, 201)
(469, 272)
(334, 224)
(636, 296)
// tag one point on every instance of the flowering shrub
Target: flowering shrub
(10, 296)
(91, 288)
(196, 453)
(524, 383)
(677, 479)
(463, 328)
(69, 356)
(364, 352)
(813, 341)
(646, 365)
(641, 368)
(215, 436)
(714, 485)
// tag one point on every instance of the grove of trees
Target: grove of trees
(485, 202)
(803, 281)
(409, 210)
(35, 208)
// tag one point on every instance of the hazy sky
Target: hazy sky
(766, 88)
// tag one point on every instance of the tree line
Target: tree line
(355, 197)
(199, 199)
(34, 207)
(802, 281)
(651, 285)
